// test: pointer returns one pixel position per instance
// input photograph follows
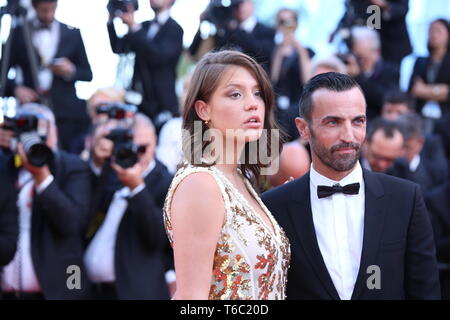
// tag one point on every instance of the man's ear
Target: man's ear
(303, 128)
(203, 110)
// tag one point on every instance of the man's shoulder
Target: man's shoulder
(262, 28)
(71, 162)
(388, 183)
(284, 192)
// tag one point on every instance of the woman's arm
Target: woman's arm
(197, 214)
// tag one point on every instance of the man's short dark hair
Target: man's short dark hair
(332, 81)
(412, 125)
(36, 2)
(388, 127)
(398, 96)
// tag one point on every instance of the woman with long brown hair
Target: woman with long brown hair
(226, 243)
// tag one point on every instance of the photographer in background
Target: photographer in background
(62, 61)
(237, 28)
(158, 45)
(8, 221)
(53, 190)
(395, 42)
(128, 254)
(366, 65)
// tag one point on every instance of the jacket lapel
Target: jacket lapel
(301, 215)
(373, 227)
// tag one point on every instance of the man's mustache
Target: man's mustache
(352, 145)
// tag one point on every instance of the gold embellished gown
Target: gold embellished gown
(251, 261)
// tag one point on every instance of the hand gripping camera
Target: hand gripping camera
(31, 129)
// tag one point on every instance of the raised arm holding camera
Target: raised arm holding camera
(158, 44)
(237, 28)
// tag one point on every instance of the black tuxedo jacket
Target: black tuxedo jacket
(397, 237)
(155, 65)
(59, 216)
(63, 96)
(258, 44)
(438, 204)
(9, 228)
(141, 259)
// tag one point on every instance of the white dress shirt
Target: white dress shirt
(46, 42)
(339, 225)
(249, 24)
(100, 254)
(19, 274)
(154, 27)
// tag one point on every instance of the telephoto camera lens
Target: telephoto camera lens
(38, 153)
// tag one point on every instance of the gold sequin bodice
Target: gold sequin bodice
(251, 260)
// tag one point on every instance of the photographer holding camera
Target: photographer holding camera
(61, 60)
(128, 253)
(158, 45)
(53, 190)
(236, 28)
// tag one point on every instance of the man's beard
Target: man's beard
(337, 162)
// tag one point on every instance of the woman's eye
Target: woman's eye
(235, 95)
(258, 93)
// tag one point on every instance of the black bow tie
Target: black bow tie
(326, 191)
(41, 26)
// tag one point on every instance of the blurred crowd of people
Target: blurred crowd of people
(97, 202)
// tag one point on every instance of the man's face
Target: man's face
(337, 129)
(45, 11)
(244, 10)
(159, 5)
(145, 136)
(382, 151)
(413, 147)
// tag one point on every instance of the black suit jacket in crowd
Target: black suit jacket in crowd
(59, 217)
(63, 96)
(442, 128)
(438, 204)
(155, 65)
(141, 256)
(258, 44)
(385, 77)
(433, 167)
(398, 238)
(421, 67)
(9, 227)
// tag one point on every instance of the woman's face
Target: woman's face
(438, 35)
(236, 108)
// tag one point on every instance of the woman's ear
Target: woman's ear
(203, 110)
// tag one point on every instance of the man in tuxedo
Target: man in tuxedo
(243, 33)
(125, 256)
(354, 234)
(62, 61)
(53, 202)
(424, 159)
(158, 45)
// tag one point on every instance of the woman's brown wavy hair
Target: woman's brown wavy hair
(204, 82)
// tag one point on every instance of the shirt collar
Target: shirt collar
(36, 24)
(249, 24)
(356, 176)
(163, 16)
(149, 169)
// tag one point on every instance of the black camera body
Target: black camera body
(220, 12)
(117, 111)
(31, 129)
(118, 7)
(125, 152)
